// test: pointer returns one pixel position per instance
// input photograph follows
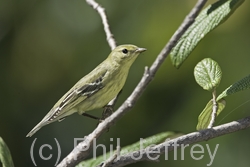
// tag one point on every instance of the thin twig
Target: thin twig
(181, 141)
(214, 112)
(81, 151)
(101, 11)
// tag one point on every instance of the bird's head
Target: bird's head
(125, 54)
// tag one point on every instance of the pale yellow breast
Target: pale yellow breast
(107, 93)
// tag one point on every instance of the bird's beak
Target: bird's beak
(140, 50)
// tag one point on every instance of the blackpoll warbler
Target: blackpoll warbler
(95, 89)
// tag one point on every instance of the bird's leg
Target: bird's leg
(108, 110)
(91, 116)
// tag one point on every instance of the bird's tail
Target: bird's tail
(47, 120)
(35, 129)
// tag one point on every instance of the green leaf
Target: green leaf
(242, 84)
(206, 115)
(208, 74)
(156, 139)
(5, 156)
(208, 19)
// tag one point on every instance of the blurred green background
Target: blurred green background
(46, 46)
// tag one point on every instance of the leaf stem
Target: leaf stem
(215, 108)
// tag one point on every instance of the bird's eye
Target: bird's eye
(125, 51)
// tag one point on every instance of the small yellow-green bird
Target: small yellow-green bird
(95, 89)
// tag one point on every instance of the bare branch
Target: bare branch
(101, 11)
(190, 18)
(81, 151)
(191, 138)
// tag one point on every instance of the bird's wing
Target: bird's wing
(75, 96)
(65, 105)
